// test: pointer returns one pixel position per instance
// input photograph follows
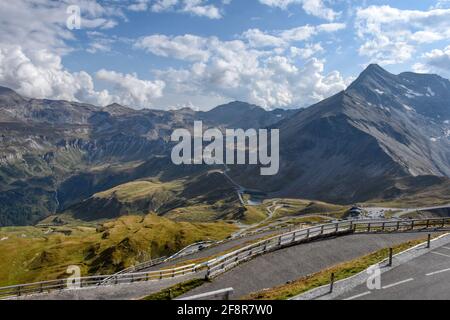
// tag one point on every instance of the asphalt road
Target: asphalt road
(282, 266)
(424, 278)
(216, 249)
(134, 291)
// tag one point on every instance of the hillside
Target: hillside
(143, 196)
(55, 154)
(356, 145)
(29, 254)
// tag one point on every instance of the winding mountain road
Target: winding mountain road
(289, 264)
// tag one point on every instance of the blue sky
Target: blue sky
(201, 53)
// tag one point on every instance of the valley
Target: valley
(95, 186)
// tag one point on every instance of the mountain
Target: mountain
(385, 137)
(242, 115)
(153, 195)
(56, 154)
(354, 146)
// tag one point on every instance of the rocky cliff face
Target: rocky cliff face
(54, 154)
(357, 145)
(354, 145)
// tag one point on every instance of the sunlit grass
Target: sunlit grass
(30, 254)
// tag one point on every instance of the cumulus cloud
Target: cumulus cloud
(269, 68)
(195, 48)
(139, 5)
(235, 70)
(42, 24)
(200, 8)
(435, 61)
(391, 35)
(439, 58)
(307, 52)
(187, 47)
(283, 38)
(130, 90)
(40, 74)
(30, 55)
(312, 7)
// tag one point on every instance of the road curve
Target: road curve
(426, 277)
(285, 265)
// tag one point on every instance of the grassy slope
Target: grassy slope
(31, 254)
(294, 207)
(254, 214)
(142, 189)
(203, 198)
(416, 192)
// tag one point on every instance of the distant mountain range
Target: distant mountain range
(359, 144)
(385, 137)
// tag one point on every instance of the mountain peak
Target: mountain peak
(371, 75)
(116, 108)
(238, 106)
(9, 97)
(375, 70)
(7, 91)
(375, 67)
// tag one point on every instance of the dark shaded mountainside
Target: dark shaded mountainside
(385, 137)
(381, 138)
(56, 154)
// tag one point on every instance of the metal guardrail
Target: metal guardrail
(136, 268)
(228, 261)
(94, 281)
(155, 262)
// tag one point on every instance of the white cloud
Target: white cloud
(42, 24)
(130, 90)
(283, 38)
(233, 70)
(439, 58)
(392, 35)
(139, 5)
(199, 8)
(267, 68)
(307, 52)
(33, 40)
(40, 74)
(164, 5)
(187, 47)
(312, 7)
(435, 61)
(260, 39)
(441, 4)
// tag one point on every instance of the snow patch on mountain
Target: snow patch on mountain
(408, 107)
